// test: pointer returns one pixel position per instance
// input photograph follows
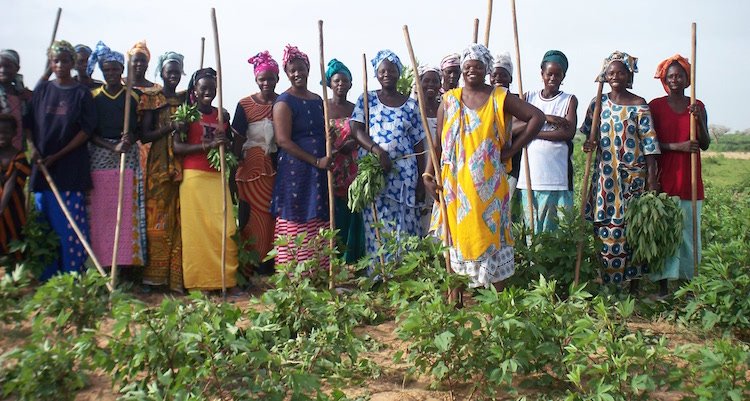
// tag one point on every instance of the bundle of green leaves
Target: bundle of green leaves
(186, 114)
(654, 228)
(369, 182)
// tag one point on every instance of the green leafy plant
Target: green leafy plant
(368, 183)
(655, 224)
(39, 245)
(12, 287)
(718, 370)
(230, 160)
(186, 114)
(405, 80)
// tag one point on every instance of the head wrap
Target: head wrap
(101, 55)
(421, 70)
(503, 61)
(62, 46)
(263, 62)
(81, 47)
(478, 52)
(140, 47)
(291, 53)
(556, 56)
(11, 55)
(425, 68)
(169, 57)
(661, 69)
(630, 62)
(336, 67)
(386, 55)
(451, 60)
(197, 76)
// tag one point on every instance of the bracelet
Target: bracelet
(432, 177)
(317, 161)
(372, 146)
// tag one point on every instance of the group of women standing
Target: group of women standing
(175, 197)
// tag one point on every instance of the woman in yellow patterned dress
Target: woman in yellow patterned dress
(474, 152)
(163, 174)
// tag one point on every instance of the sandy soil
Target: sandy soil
(730, 155)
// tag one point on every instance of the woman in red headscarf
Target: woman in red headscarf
(672, 114)
(257, 151)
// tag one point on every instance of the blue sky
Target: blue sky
(586, 30)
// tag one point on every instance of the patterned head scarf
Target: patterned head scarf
(336, 67)
(263, 62)
(502, 60)
(630, 62)
(291, 53)
(661, 70)
(386, 55)
(11, 55)
(101, 55)
(451, 60)
(83, 48)
(478, 52)
(197, 76)
(60, 47)
(169, 57)
(140, 47)
(425, 68)
(556, 56)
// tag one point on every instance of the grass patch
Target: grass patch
(723, 171)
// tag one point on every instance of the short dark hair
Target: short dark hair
(7, 118)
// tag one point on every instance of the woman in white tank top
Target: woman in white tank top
(550, 154)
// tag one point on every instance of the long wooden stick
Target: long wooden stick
(329, 153)
(46, 65)
(487, 26)
(475, 38)
(585, 185)
(203, 50)
(223, 162)
(121, 188)
(54, 33)
(433, 151)
(694, 156)
(366, 103)
(529, 193)
(68, 216)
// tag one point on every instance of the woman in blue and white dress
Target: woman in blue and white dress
(395, 135)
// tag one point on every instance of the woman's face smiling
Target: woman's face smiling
(552, 76)
(431, 84)
(474, 72)
(617, 76)
(388, 74)
(501, 77)
(171, 74)
(297, 72)
(267, 81)
(205, 91)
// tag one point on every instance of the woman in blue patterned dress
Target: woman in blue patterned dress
(625, 167)
(395, 131)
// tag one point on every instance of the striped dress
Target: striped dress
(256, 174)
(13, 217)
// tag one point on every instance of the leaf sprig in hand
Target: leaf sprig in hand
(186, 114)
(369, 182)
(214, 160)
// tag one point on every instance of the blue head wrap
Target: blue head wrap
(336, 67)
(168, 57)
(386, 55)
(101, 55)
(82, 47)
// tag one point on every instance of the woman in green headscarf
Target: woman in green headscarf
(350, 224)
